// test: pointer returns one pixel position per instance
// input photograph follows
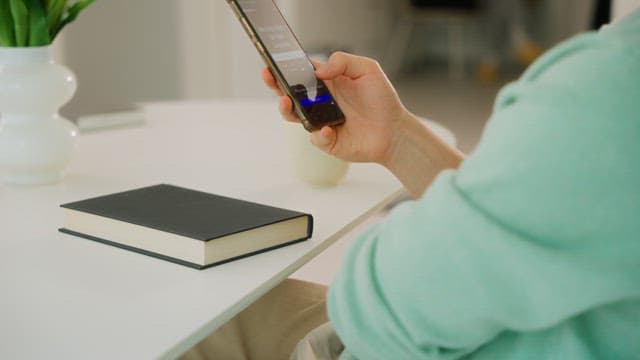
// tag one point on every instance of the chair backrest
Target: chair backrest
(446, 4)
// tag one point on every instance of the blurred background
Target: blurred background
(447, 58)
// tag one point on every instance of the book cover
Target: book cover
(188, 227)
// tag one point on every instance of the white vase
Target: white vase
(36, 143)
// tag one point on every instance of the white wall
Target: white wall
(203, 48)
(358, 26)
(217, 58)
(148, 50)
(619, 8)
(123, 51)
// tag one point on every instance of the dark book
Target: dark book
(184, 226)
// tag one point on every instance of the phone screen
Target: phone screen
(284, 49)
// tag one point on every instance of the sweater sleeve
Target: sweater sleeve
(537, 226)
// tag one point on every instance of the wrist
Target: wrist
(407, 129)
(417, 155)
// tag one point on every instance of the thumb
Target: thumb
(324, 139)
(343, 64)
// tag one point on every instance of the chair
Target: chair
(413, 13)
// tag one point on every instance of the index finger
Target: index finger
(271, 82)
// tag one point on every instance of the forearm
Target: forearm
(418, 155)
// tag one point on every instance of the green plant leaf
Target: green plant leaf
(55, 8)
(7, 37)
(72, 14)
(38, 29)
(20, 21)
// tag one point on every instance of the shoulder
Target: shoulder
(588, 80)
(583, 65)
(558, 146)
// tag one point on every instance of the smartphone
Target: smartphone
(288, 62)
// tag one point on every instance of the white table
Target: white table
(63, 297)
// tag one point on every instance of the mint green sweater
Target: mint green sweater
(531, 250)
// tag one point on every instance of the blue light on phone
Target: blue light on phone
(320, 99)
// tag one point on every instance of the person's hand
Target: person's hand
(372, 109)
(377, 126)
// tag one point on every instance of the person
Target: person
(527, 248)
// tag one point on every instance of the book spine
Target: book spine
(309, 226)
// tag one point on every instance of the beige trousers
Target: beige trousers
(278, 326)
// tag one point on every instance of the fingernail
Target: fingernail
(326, 136)
(318, 140)
(322, 69)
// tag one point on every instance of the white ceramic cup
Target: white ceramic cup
(311, 164)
